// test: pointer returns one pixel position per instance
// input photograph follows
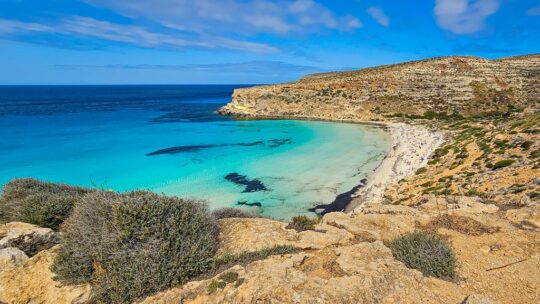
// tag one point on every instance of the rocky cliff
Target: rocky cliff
(465, 85)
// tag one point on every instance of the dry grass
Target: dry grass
(460, 224)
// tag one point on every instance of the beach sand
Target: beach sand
(412, 146)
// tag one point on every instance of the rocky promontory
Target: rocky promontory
(464, 85)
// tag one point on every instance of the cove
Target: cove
(124, 139)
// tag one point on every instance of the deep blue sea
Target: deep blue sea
(168, 139)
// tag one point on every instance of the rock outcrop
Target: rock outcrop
(344, 260)
(465, 85)
(27, 237)
(33, 282)
(11, 257)
(353, 264)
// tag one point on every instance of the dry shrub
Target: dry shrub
(231, 213)
(39, 203)
(134, 244)
(302, 223)
(460, 224)
(427, 253)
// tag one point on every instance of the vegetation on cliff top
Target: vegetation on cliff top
(130, 245)
(302, 223)
(427, 253)
(40, 203)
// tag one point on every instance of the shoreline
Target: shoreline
(412, 145)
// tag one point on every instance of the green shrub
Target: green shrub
(302, 223)
(440, 152)
(535, 154)
(434, 161)
(421, 170)
(231, 213)
(39, 203)
(526, 144)
(427, 253)
(502, 163)
(214, 285)
(473, 192)
(229, 277)
(130, 245)
(427, 184)
(223, 280)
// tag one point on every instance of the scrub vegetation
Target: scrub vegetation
(39, 203)
(427, 253)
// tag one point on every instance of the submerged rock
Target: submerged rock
(251, 185)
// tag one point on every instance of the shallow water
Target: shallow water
(167, 139)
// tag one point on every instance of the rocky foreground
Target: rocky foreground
(479, 188)
(345, 260)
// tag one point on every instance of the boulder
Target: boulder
(11, 257)
(252, 234)
(460, 205)
(360, 273)
(27, 237)
(33, 282)
(372, 226)
(526, 217)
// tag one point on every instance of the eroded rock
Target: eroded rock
(32, 282)
(11, 257)
(27, 237)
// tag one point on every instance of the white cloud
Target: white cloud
(226, 24)
(379, 16)
(224, 17)
(128, 34)
(354, 23)
(251, 67)
(464, 16)
(534, 11)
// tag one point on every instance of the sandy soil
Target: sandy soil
(412, 146)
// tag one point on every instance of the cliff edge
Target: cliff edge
(464, 85)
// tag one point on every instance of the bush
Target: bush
(231, 213)
(134, 244)
(39, 203)
(421, 170)
(427, 253)
(302, 223)
(502, 163)
(526, 144)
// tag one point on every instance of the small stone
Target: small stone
(11, 257)
(485, 249)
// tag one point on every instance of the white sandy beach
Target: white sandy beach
(412, 146)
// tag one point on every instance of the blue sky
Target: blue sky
(246, 41)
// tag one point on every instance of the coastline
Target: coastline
(412, 145)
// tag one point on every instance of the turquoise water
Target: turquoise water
(184, 149)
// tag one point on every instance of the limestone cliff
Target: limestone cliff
(465, 85)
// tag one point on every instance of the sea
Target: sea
(169, 139)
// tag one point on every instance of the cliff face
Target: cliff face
(466, 85)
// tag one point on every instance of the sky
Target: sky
(247, 41)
